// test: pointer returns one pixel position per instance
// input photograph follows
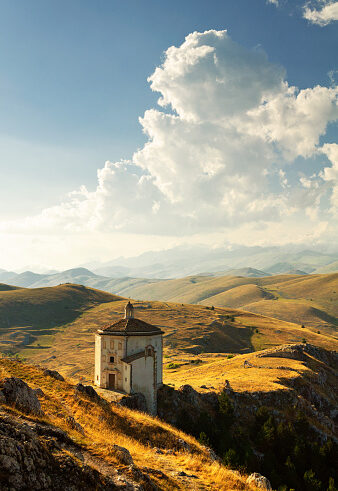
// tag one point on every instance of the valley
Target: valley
(54, 326)
(226, 371)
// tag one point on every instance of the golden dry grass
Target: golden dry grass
(35, 315)
(189, 329)
(140, 433)
(317, 294)
(264, 374)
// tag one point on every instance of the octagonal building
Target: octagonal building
(129, 357)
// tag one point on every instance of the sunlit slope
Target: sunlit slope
(192, 289)
(28, 315)
(310, 299)
(183, 463)
(238, 296)
(189, 330)
(262, 371)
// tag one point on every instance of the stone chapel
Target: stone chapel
(129, 357)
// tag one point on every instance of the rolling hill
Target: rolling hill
(208, 347)
(54, 326)
(30, 314)
(303, 299)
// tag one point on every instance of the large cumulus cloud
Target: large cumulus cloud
(218, 151)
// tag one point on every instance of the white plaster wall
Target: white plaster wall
(137, 343)
(143, 381)
(142, 371)
(126, 370)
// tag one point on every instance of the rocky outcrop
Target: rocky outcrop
(134, 401)
(87, 390)
(259, 481)
(17, 393)
(171, 403)
(29, 460)
(53, 374)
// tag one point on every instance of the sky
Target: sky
(139, 125)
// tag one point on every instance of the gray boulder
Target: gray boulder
(20, 395)
(122, 454)
(53, 374)
(87, 390)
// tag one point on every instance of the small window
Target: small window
(125, 379)
(103, 344)
(112, 359)
(111, 344)
(97, 377)
(120, 345)
(103, 357)
(149, 351)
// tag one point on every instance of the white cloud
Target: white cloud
(209, 164)
(330, 174)
(294, 120)
(274, 2)
(324, 15)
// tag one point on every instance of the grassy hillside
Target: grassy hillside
(245, 373)
(4, 287)
(181, 463)
(303, 299)
(35, 315)
(190, 330)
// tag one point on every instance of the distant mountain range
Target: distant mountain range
(191, 260)
(123, 275)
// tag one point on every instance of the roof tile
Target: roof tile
(131, 326)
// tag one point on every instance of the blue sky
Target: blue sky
(74, 83)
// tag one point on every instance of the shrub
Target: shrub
(230, 356)
(226, 407)
(172, 365)
(231, 458)
(203, 439)
(312, 483)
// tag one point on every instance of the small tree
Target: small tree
(203, 439)
(226, 407)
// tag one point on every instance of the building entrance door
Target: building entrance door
(111, 381)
